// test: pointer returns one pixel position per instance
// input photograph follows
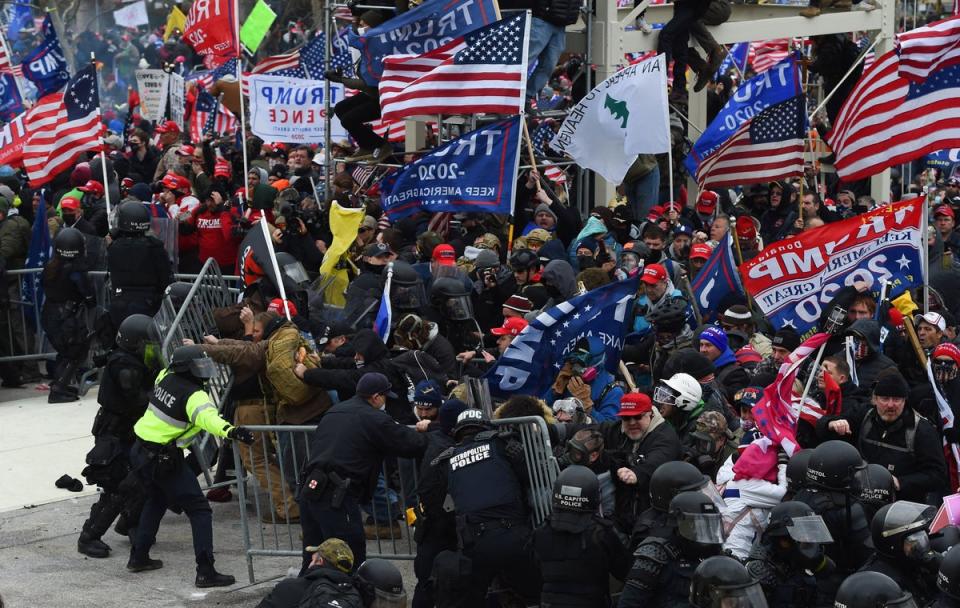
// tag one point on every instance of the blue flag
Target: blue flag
(19, 18)
(531, 362)
(11, 105)
(717, 280)
(420, 30)
(46, 65)
(381, 324)
(736, 59)
(779, 83)
(37, 256)
(476, 172)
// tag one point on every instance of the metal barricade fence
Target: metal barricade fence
(542, 466)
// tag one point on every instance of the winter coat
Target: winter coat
(297, 401)
(871, 366)
(560, 275)
(14, 241)
(748, 503)
(603, 392)
(215, 237)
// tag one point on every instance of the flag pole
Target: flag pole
(526, 137)
(813, 374)
(273, 262)
(736, 246)
(925, 252)
(103, 153)
(243, 120)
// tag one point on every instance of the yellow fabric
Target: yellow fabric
(905, 304)
(344, 223)
(176, 20)
(200, 409)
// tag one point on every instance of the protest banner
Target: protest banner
(13, 136)
(291, 110)
(476, 172)
(791, 280)
(178, 100)
(132, 15)
(153, 86)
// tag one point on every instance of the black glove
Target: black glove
(333, 75)
(239, 433)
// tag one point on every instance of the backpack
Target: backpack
(325, 593)
(281, 350)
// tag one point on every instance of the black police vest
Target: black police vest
(482, 483)
(58, 287)
(111, 396)
(573, 566)
(132, 263)
(169, 400)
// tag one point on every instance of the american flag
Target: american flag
(361, 174)
(61, 126)
(887, 121)
(308, 64)
(929, 48)
(764, 55)
(340, 55)
(774, 413)
(554, 173)
(395, 131)
(541, 137)
(811, 411)
(767, 147)
(484, 71)
(209, 116)
(7, 66)
(206, 79)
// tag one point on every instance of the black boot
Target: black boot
(92, 546)
(207, 576)
(142, 563)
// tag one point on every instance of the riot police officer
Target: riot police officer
(576, 549)
(872, 590)
(876, 489)
(125, 386)
(486, 478)
(138, 264)
(178, 409)
(453, 309)
(382, 583)
(63, 317)
(790, 555)
(663, 566)
(668, 480)
(721, 582)
(903, 552)
(948, 580)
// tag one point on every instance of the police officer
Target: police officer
(722, 582)
(578, 550)
(178, 409)
(347, 452)
(790, 555)
(872, 590)
(383, 584)
(948, 581)
(125, 387)
(138, 264)
(663, 566)
(903, 551)
(831, 490)
(797, 472)
(876, 489)
(668, 480)
(486, 479)
(63, 317)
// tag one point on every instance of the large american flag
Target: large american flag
(767, 147)
(484, 71)
(305, 62)
(764, 55)
(210, 116)
(929, 48)
(887, 121)
(61, 126)
(227, 68)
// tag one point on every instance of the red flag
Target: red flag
(210, 28)
(811, 411)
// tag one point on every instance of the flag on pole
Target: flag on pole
(483, 71)
(766, 54)
(927, 49)
(716, 280)
(37, 257)
(210, 116)
(887, 121)
(774, 413)
(766, 147)
(46, 66)
(61, 126)
(811, 411)
(305, 62)
(623, 116)
(210, 28)
(950, 450)
(176, 21)
(256, 26)
(736, 59)
(6, 64)
(18, 16)
(381, 324)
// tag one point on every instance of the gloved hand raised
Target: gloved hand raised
(242, 434)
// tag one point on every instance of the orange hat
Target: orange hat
(281, 184)
(511, 327)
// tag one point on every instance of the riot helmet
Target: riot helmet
(671, 478)
(872, 590)
(69, 244)
(193, 361)
(386, 582)
(900, 530)
(472, 418)
(876, 486)
(136, 332)
(943, 539)
(834, 466)
(576, 497)
(293, 269)
(681, 391)
(133, 217)
(797, 470)
(406, 288)
(178, 292)
(799, 534)
(723, 582)
(948, 578)
(524, 259)
(699, 524)
(450, 297)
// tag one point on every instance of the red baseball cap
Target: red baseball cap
(655, 212)
(944, 210)
(94, 187)
(511, 327)
(671, 205)
(175, 182)
(167, 126)
(276, 305)
(746, 229)
(69, 202)
(701, 251)
(444, 255)
(653, 274)
(707, 201)
(634, 404)
(221, 168)
(186, 150)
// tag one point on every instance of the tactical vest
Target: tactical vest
(482, 482)
(131, 262)
(61, 288)
(573, 566)
(169, 400)
(910, 435)
(111, 396)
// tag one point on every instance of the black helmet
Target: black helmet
(871, 590)
(386, 582)
(135, 332)
(292, 268)
(450, 297)
(948, 579)
(671, 478)
(178, 292)
(699, 523)
(800, 534)
(576, 489)
(524, 259)
(834, 465)
(943, 539)
(406, 288)
(876, 486)
(470, 418)
(797, 470)
(193, 361)
(723, 581)
(900, 530)
(133, 217)
(669, 316)
(69, 244)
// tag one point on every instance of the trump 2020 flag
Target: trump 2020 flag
(793, 279)
(736, 59)
(474, 173)
(716, 280)
(531, 362)
(46, 65)
(625, 115)
(381, 324)
(779, 83)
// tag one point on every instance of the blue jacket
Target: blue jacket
(603, 410)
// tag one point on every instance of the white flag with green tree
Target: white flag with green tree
(625, 115)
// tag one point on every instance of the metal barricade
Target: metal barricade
(268, 478)
(21, 334)
(542, 466)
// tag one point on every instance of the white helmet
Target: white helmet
(681, 390)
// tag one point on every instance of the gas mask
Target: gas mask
(358, 362)
(944, 371)
(629, 263)
(807, 555)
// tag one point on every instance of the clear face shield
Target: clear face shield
(296, 272)
(407, 296)
(203, 368)
(701, 528)
(664, 395)
(459, 308)
(385, 599)
(750, 596)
